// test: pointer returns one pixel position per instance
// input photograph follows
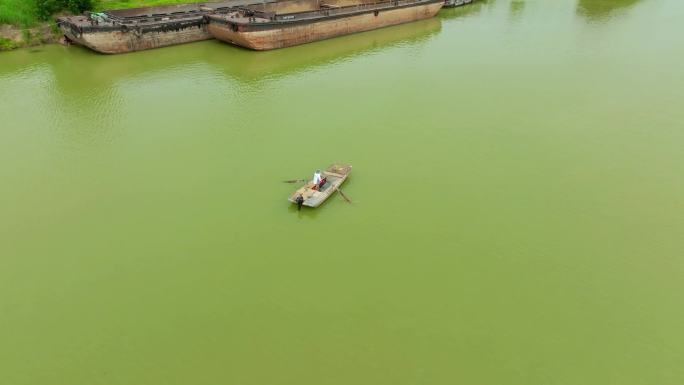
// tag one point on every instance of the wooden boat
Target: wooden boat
(279, 24)
(336, 175)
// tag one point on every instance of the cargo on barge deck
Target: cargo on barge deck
(456, 3)
(282, 24)
(128, 30)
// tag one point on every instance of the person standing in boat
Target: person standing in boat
(318, 180)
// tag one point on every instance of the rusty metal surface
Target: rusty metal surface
(254, 19)
(120, 31)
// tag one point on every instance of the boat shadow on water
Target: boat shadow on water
(77, 79)
(599, 10)
(336, 202)
(247, 65)
(474, 8)
(70, 67)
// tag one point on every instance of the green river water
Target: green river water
(517, 216)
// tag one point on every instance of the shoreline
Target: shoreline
(13, 37)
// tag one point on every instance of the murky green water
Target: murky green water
(518, 211)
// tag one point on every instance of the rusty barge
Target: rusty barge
(137, 29)
(257, 25)
(279, 24)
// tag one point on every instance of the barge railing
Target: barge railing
(332, 11)
(162, 17)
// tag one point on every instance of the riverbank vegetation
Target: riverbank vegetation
(7, 44)
(18, 12)
(30, 22)
(28, 13)
(120, 4)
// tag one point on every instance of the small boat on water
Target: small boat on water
(336, 174)
(279, 24)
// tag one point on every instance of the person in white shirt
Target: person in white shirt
(318, 180)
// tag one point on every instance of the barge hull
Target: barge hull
(285, 35)
(136, 29)
(116, 41)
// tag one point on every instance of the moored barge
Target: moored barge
(279, 24)
(136, 29)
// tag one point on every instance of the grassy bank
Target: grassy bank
(120, 4)
(30, 22)
(18, 12)
(29, 13)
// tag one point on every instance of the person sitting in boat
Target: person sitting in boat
(318, 180)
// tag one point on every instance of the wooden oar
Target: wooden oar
(295, 180)
(343, 195)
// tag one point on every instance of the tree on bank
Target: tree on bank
(25, 13)
(47, 8)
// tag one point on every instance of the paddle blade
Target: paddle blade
(344, 196)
